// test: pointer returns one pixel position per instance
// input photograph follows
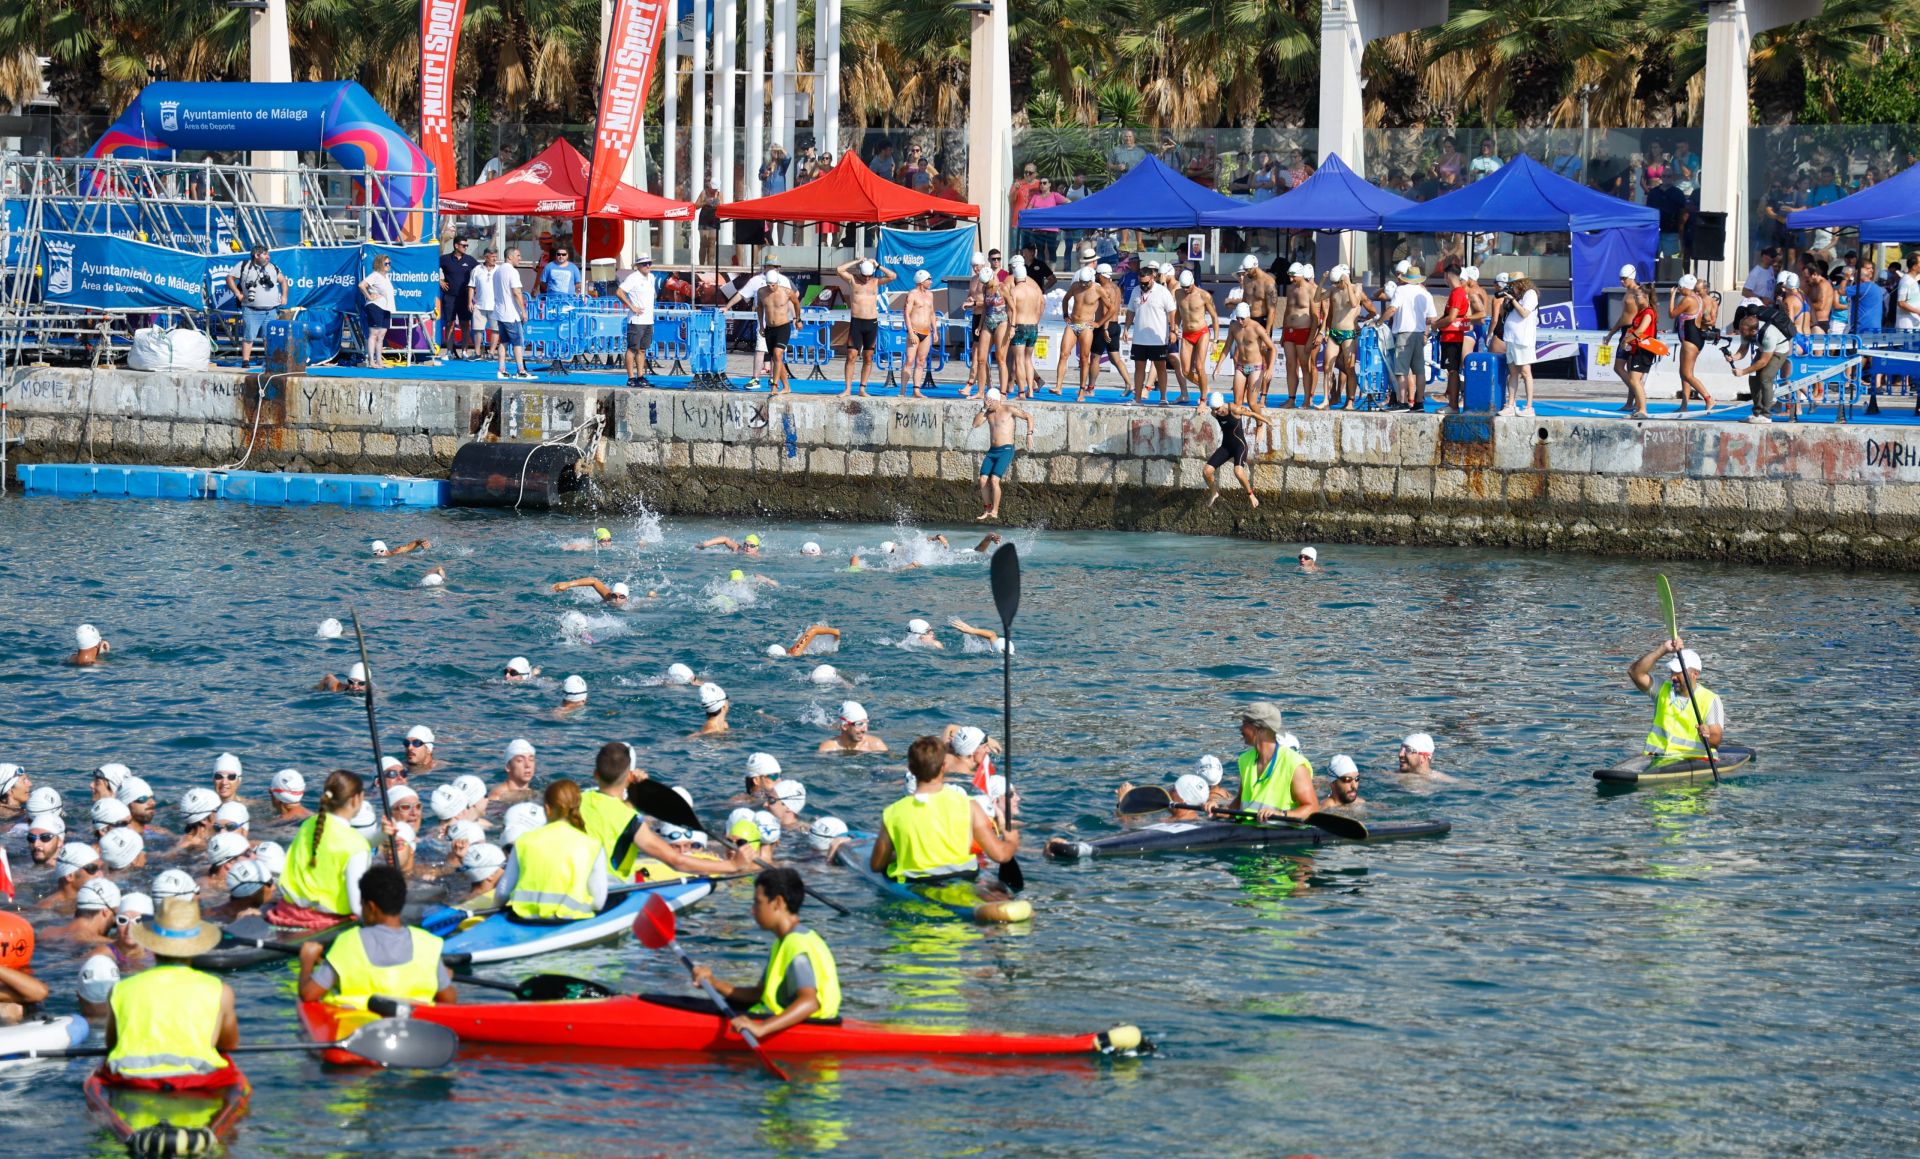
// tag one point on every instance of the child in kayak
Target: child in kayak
(382, 955)
(801, 981)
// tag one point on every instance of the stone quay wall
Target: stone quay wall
(1846, 495)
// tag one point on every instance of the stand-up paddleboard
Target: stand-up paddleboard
(1645, 770)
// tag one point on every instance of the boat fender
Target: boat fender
(1004, 911)
(166, 1141)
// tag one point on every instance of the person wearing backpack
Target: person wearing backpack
(1767, 335)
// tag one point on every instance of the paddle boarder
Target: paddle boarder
(1677, 733)
(382, 955)
(173, 1022)
(800, 981)
(1275, 781)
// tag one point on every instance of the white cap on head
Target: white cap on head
(474, 788)
(1502, 278)
(1243, 311)
(98, 976)
(519, 747)
(470, 832)
(1627, 272)
(358, 673)
(364, 822)
(520, 820)
(867, 267)
(996, 786)
(9, 773)
(225, 847)
(993, 394)
(1306, 270)
(979, 259)
(1418, 742)
(809, 548)
(886, 546)
(1309, 553)
(1688, 281)
(87, 636)
(1471, 273)
(777, 651)
(1402, 266)
(432, 579)
(96, 895)
(740, 815)
(379, 547)
(288, 786)
(421, 733)
(134, 904)
(520, 666)
(824, 674)
(791, 793)
(110, 811)
(392, 764)
(1342, 766)
(1216, 400)
(1208, 769)
(824, 830)
(768, 824)
(1085, 274)
(121, 847)
(574, 689)
(227, 763)
(248, 878)
(921, 277)
(448, 802)
(1104, 270)
(621, 590)
(1249, 263)
(1289, 741)
(1339, 273)
(1186, 277)
(481, 861)
(851, 712)
(712, 698)
(45, 799)
(133, 789)
(52, 823)
(1190, 790)
(684, 793)
(233, 813)
(75, 856)
(1151, 267)
(113, 773)
(1691, 659)
(329, 629)
(1789, 280)
(966, 741)
(273, 855)
(918, 626)
(679, 674)
(175, 883)
(1019, 269)
(763, 765)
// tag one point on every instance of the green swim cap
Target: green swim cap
(602, 534)
(753, 541)
(736, 575)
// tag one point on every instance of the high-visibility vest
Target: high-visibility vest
(415, 980)
(932, 835)
(826, 975)
(556, 863)
(607, 819)
(165, 1022)
(1676, 731)
(1272, 786)
(321, 883)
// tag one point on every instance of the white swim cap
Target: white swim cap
(247, 878)
(1503, 277)
(45, 799)
(737, 818)
(1243, 311)
(133, 790)
(1309, 553)
(1186, 278)
(1418, 742)
(470, 832)
(392, 765)
(791, 793)
(98, 976)
(227, 763)
(110, 811)
(482, 860)
(329, 629)
(1208, 768)
(1289, 741)
(887, 546)
(273, 855)
(399, 795)
(135, 905)
(87, 636)
(712, 698)
(866, 267)
(364, 822)
(1338, 273)
(621, 590)
(852, 713)
(1688, 281)
(96, 895)
(809, 548)
(824, 674)
(1789, 280)
(520, 820)
(993, 394)
(1691, 659)
(1190, 790)
(421, 733)
(473, 787)
(769, 826)
(824, 830)
(777, 651)
(1627, 271)
(966, 741)
(1104, 270)
(762, 765)
(679, 674)
(448, 801)
(996, 786)
(1402, 266)
(52, 823)
(225, 847)
(1249, 263)
(1471, 273)
(175, 883)
(979, 259)
(1019, 270)
(919, 627)
(574, 689)
(921, 277)
(1306, 270)
(682, 792)
(379, 547)
(1216, 400)
(9, 774)
(357, 674)
(519, 747)
(1085, 275)
(1342, 766)
(432, 579)
(120, 848)
(233, 813)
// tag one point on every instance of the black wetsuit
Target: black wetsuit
(1233, 442)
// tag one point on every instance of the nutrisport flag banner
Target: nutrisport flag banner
(102, 272)
(415, 275)
(439, 46)
(631, 47)
(944, 253)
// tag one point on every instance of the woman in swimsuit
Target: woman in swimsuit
(1687, 307)
(1233, 446)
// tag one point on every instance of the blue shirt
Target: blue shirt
(1824, 195)
(775, 180)
(561, 278)
(1869, 305)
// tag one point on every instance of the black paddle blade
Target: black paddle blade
(1145, 799)
(404, 1043)
(1004, 568)
(1339, 824)
(166, 1141)
(660, 802)
(1012, 876)
(558, 988)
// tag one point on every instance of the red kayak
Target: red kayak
(178, 1115)
(668, 1024)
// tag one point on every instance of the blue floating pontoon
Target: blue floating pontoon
(269, 487)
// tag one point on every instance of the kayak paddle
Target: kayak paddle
(662, 803)
(373, 731)
(389, 1042)
(654, 925)
(1004, 573)
(1673, 633)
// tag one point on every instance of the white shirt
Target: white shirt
(1760, 281)
(1909, 295)
(639, 288)
(506, 280)
(1412, 306)
(379, 290)
(482, 285)
(1152, 306)
(1524, 330)
(751, 291)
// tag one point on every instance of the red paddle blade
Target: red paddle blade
(654, 925)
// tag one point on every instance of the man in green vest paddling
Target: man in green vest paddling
(1275, 781)
(1678, 733)
(801, 981)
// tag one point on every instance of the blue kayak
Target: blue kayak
(503, 937)
(949, 897)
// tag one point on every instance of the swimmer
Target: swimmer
(15, 787)
(288, 787)
(601, 538)
(1188, 800)
(573, 693)
(751, 546)
(1309, 559)
(226, 777)
(329, 629)
(434, 579)
(987, 544)
(381, 549)
(799, 647)
(827, 676)
(736, 576)
(616, 595)
(713, 699)
(853, 736)
(992, 637)
(137, 795)
(1416, 759)
(520, 670)
(920, 635)
(809, 548)
(250, 889)
(856, 563)
(1343, 792)
(124, 849)
(784, 798)
(76, 865)
(93, 923)
(45, 836)
(89, 646)
(356, 680)
(520, 770)
(681, 674)
(420, 750)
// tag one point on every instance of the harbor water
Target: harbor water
(1704, 970)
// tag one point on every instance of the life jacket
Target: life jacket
(1676, 732)
(556, 863)
(165, 1022)
(607, 819)
(1273, 786)
(826, 976)
(321, 883)
(932, 835)
(415, 980)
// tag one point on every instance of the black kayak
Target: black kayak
(1181, 836)
(1644, 770)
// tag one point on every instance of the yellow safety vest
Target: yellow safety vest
(556, 863)
(826, 975)
(1676, 732)
(415, 980)
(931, 836)
(606, 819)
(1272, 787)
(322, 883)
(165, 1022)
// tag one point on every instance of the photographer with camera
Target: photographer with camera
(1517, 310)
(1766, 334)
(1694, 316)
(260, 288)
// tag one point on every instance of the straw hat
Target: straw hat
(176, 930)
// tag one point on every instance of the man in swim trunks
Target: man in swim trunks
(1233, 446)
(1194, 313)
(1262, 296)
(1300, 333)
(919, 312)
(864, 279)
(1252, 351)
(778, 306)
(1479, 310)
(1341, 307)
(999, 417)
(1026, 302)
(1081, 307)
(1106, 339)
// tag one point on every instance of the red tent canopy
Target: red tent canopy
(554, 184)
(850, 193)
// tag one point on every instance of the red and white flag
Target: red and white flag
(6, 876)
(632, 44)
(439, 46)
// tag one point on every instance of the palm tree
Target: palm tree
(1526, 50)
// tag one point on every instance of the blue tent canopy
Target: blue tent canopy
(1522, 196)
(1894, 197)
(1335, 197)
(1149, 196)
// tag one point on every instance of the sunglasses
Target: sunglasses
(226, 776)
(1355, 778)
(416, 744)
(228, 827)
(146, 800)
(42, 838)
